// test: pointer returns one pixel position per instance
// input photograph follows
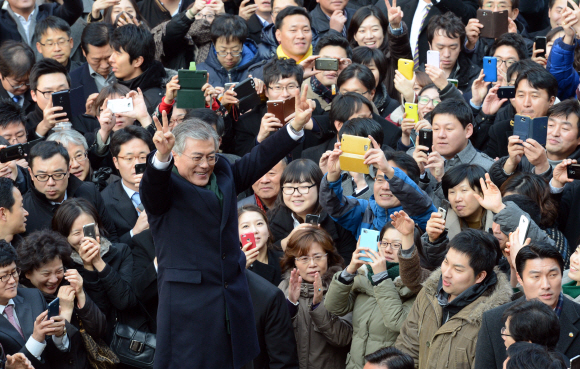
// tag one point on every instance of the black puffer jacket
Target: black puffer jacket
(268, 43)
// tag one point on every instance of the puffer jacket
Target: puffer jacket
(323, 339)
(268, 43)
(451, 345)
(377, 312)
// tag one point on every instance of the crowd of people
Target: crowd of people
(138, 233)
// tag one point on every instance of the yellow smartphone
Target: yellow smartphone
(355, 144)
(406, 68)
(353, 163)
(412, 111)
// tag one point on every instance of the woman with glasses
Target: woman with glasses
(297, 201)
(374, 293)
(43, 258)
(309, 262)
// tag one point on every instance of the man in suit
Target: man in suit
(204, 300)
(16, 61)
(12, 212)
(129, 146)
(24, 326)
(539, 271)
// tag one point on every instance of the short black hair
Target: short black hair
(50, 22)
(456, 107)
(454, 176)
(46, 150)
(450, 25)
(210, 117)
(135, 41)
(566, 108)
(11, 113)
(360, 72)
(539, 79)
(391, 358)
(299, 3)
(7, 254)
(7, 199)
(276, 69)
(525, 355)
(46, 66)
(344, 106)
(365, 56)
(333, 39)
(127, 134)
(535, 322)
(363, 127)
(16, 59)
(515, 3)
(553, 32)
(523, 66)
(537, 250)
(96, 34)
(231, 27)
(289, 11)
(481, 247)
(359, 17)
(513, 40)
(406, 163)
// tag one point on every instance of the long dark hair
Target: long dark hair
(69, 211)
(107, 13)
(359, 17)
(255, 209)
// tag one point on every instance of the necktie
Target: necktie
(9, 310)
(16, 98)
(416, 51)
(136, 198)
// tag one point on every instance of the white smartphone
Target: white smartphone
(120, 105)
(523, 227)
(433, 58)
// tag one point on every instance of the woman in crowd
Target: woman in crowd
(262, 259)
(375, 295)
(298, 198)
(43, 257)
(571, 279)
(309, 262)
(126, 9)
(428, 98)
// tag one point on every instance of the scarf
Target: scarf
(321, 90)
(280, 54)
(392, 271)
(571, 289)
(558, 308)
(211, 185)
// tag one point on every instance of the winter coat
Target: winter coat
(561, 66)
(509, 218)
(465, 72)
(323, 339)
(268, 43)
(378, 311)
(451, 345)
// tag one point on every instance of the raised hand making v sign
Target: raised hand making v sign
(163, 139)
(395, 14)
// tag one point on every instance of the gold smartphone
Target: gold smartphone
(353, 151)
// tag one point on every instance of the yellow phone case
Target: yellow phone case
(406, 68)
(353, 163)
(355, 144)
(412, 111)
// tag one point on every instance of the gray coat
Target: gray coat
(509, 220)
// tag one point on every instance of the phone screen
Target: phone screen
(53, 308)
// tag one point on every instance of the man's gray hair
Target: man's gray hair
(69, 136)
(195, 129)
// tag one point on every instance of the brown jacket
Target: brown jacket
(451, 345)
(323, 339)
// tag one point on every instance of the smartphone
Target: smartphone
(433, 58)
(326, 64)
(406, 68)
(541, 44)
(523, 227)
(312, 219)
(89, 230)
(276, 107)
(245, 88)
(228, 85)
(247, 95)
(18, 151)
(355, 144)
(140, 168)
(246, 238)
(573, 171)
(120, 105)
(190, 96)
(412, 111)
(575, 362)
(506, 92)
(521, 126)
(426, 138)
(490, 69)
(485, 17)
(369, 239)
(62, 98)
(53, 308)
(444, 208)
(289, 107)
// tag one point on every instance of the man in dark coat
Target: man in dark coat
(205, 317)
(16, 61)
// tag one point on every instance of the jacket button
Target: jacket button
(223, 255)
(226, 285)
(428, 344)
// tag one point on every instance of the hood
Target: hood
(249, 57)
(268, 36)
(152, 77)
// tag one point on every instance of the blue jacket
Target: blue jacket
(354, 214)
(561, 65)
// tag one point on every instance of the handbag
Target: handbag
(99, 354)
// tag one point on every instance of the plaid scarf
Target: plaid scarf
(321, 90)
(558, 308)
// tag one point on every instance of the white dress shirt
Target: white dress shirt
(416, 26)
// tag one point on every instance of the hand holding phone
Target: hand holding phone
(248, 238)
(140, 168)
(89, 231)
(523, 228)
(433, 58)
(312, 219)
(53, 308)
(369, 239)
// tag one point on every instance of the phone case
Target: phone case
(575, 361)
(573, 171)
(490, 68)
(494, 24)
(355, 144)
(245, 88)
(276, 107)
(412, 111)
(353, 163)
(248, 237)
(326, 64)
(289, 107)
(539, 131)
(190, 99)
(433, 58)
(541, 44)
(506, 92)
(406, 68)
(369, 239)
(521, 126)
(249, 102)
(426, 138)
(191, 79)
(312, 219)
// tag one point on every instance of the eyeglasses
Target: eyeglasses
(45, 177)
(48, 94)
(80, 157)
(197, 160)
(15, 273)
(131, 159)
(207, 17)
(290, 88)
(234, 54)
(503, 329)
(301, 189)
(508, 62)
(394, 246)
(19, 86)
(307, 259)
(424, 100)
(60, 43)
(499, 7)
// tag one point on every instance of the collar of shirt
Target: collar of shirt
(176, 10)
(295, 221)
(58, 203)
(21, 18)
(129, 191)
(262, 20)
(94, 74)
(2, 307)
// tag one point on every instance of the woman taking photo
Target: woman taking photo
(42, 259)
(297, 199)
(308, 265)
(261, 258)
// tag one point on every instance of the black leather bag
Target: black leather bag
(134, 347)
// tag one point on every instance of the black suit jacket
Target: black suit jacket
(144, 274)
(490, 350)
(121, 210)
(27, 106)
(81, 77)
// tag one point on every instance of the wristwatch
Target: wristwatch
(293, 130)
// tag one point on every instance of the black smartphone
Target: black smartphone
(573, 171)
(18, 151)
(140, 168)
(426, 138)
(541, 44)
(62, 98)
(326, 64)
(53, 308)
(312, 219)
(245, 88)
(89, 230)
(506, 92)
